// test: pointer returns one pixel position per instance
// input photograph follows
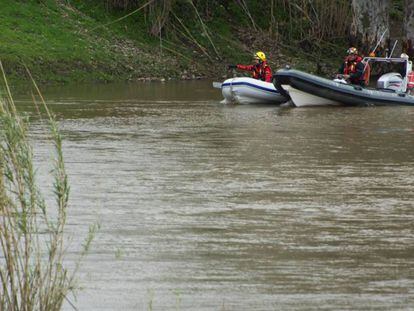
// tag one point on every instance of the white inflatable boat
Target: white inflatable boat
(244, 90)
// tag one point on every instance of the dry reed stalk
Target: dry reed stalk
(315, 20)
(190, 37)
(125, 16)
(243, 5)
(159, 12)
(205, 29)
(175, 51)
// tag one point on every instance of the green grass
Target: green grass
(33, 33)
(61, 43)
(78, 40)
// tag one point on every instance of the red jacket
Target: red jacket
(355, 69)
(260, 71)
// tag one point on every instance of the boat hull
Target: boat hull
(304, 99)
(346, 94)
(243, 90)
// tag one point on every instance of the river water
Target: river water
(205, 206)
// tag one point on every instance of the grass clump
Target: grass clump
(32, 233)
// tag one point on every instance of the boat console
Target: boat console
(392, 81)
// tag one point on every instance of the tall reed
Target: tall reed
(293, 19)
(309, 24)
(314, 19)
(32, 236)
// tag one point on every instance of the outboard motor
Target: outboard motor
(390, 81)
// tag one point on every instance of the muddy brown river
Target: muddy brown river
(206, 206)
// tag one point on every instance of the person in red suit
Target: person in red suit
(353, 68)
(260, 69)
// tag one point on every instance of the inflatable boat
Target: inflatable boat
(244, 90)
(392, 88)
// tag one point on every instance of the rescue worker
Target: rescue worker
(353, 68)
(260, 69)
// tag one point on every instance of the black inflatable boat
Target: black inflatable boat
(392, 88)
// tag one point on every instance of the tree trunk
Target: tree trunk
(408, 28)
(370, 21)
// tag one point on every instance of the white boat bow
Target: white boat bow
(244, 90)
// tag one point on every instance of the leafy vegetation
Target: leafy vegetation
(67, 40)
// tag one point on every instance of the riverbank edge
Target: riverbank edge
(91, 51)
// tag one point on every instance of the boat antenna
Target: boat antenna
(376, 47)
(392, 51)
(379, 41)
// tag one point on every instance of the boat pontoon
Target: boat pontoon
(244, 90)
(392, 88)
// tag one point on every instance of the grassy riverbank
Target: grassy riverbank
(67, 41)
(56, 42)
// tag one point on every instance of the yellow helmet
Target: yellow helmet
(260, 55)
(352, 50)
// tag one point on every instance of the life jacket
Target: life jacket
(367, 73)
(260, 71)
(350, 67)
(410, 84)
